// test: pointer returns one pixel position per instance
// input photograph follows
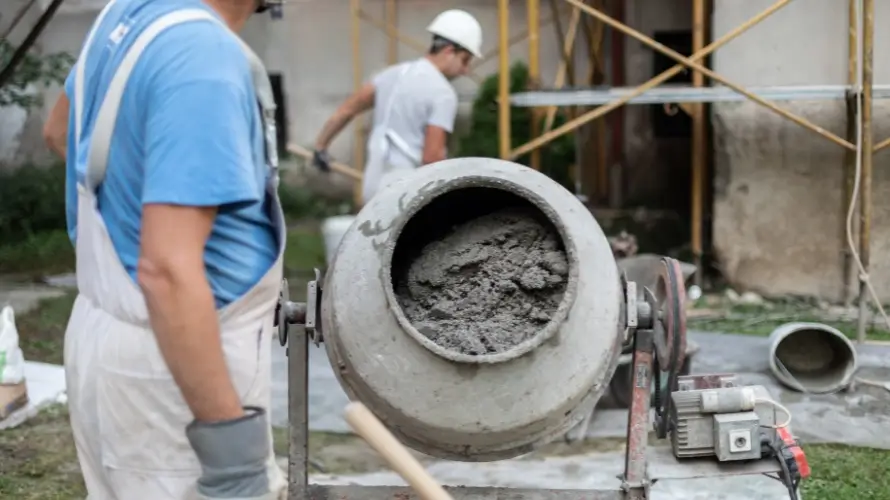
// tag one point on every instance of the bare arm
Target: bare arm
(359, 102)
(440, 123)
(434, 144)
(182, 310)
(55, 130)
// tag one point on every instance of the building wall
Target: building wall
(311, 47)
(778, 211)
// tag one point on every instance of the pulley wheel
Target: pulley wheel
(670, 296)
(670, 340)
(281, 312)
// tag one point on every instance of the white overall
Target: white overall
(127, 413)
(378, 171)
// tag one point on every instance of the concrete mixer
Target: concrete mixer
(476, 309)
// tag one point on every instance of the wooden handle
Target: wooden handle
(335, 166)
(396, 455)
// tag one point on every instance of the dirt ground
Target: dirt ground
(38, 462)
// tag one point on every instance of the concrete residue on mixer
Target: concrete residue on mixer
(490, 284)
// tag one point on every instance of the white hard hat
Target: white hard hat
(460, 27)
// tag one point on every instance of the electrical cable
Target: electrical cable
(786, 478)
(19, 55)
(779, 407)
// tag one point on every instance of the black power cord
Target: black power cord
(28, 42)
(790, 479)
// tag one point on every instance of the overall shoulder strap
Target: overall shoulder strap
(107, 116)
(80, 72)
(266, 100)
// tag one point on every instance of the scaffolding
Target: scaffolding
(590, 17)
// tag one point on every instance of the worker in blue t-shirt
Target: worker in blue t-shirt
(172, 206)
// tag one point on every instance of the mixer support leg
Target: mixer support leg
(636, 483)
(298, 416)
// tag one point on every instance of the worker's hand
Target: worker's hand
(321, 160)
(233, 456)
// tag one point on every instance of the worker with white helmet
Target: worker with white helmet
(414, 105)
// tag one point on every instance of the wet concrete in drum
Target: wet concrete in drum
(489, 285)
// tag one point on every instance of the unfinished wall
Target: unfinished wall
(778, 187)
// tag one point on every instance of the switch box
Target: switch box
(737, 436)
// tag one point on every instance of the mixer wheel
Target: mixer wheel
(670, 339)
(281, 313)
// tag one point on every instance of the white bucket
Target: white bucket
(812, 357)
(332, 230)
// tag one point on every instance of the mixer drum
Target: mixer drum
(475, 307)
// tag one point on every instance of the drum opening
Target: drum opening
(815, 359)
(480, 274)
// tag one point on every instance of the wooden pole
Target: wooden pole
(847, 264)
(372, 430)
(392, 46)
(565, 69)
(865, 208)
(699, 145)
(336, 167)
(357, 78)
(596, 63)
(534, 70)
(504, 142)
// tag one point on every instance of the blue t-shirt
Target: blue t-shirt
(188, 132)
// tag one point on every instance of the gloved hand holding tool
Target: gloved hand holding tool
(233, 456)
(321, 160)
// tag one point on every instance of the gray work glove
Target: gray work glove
(321, 160)
(233, 456)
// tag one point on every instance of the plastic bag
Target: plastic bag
(12, 361)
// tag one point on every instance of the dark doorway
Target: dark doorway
(672, 123)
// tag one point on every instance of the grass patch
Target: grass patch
(844, 472)
(42, 329)
(715, 314)
(45, 253)
(305, 249)
(38, 460)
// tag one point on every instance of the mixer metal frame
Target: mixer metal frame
(652, 326)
